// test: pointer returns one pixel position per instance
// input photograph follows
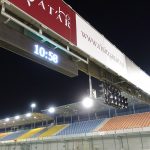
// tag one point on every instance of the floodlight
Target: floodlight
(7, 119)
(17, 117)
(28, 115)
(33, 105)
(51, 110)
(111, 96)
(87, 102)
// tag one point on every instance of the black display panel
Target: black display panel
(50, 57)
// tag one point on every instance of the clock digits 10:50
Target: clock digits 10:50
(48, 55)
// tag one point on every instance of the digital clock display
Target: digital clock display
(46, 54)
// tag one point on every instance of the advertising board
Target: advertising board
(99, 48)
(137, 76)
(54, 14)
(104, 52)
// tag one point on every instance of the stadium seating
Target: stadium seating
(127, 122)
(81, 127)
(30, 133)
(53, 130)
(14, 135)
(116, 123)
(40, 132)
(4, 134)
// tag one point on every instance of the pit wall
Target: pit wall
(126, 141)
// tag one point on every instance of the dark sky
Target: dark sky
(126, 24)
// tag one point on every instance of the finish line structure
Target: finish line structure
(51, 33)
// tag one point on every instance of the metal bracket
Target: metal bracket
(7, 21)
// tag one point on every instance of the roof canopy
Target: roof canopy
(24, 120)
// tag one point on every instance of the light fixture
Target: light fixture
(113, 97)
(87, 102)
(51, 110)
(7, 119)
(28, 115)
(17, 117)
(33, 105)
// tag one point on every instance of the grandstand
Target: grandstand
(141, 120)
(81, 127)
(14, 135)
(4, 134)
(53, 130)
(30, 133)
(126, 130)
(127, 122)
(73, 127)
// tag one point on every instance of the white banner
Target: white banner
(99, 48)
(137, 76)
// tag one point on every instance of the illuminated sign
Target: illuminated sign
(54, 14)
(36, 51)
(46, 54)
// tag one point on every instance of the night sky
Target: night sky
(126, 24)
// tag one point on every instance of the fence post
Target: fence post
(141, 140)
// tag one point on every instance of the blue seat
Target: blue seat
(81, 127)
(14, 135)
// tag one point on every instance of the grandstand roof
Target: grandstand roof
(23, 120)
(62, 111)
(99, 106)
(77, 108)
